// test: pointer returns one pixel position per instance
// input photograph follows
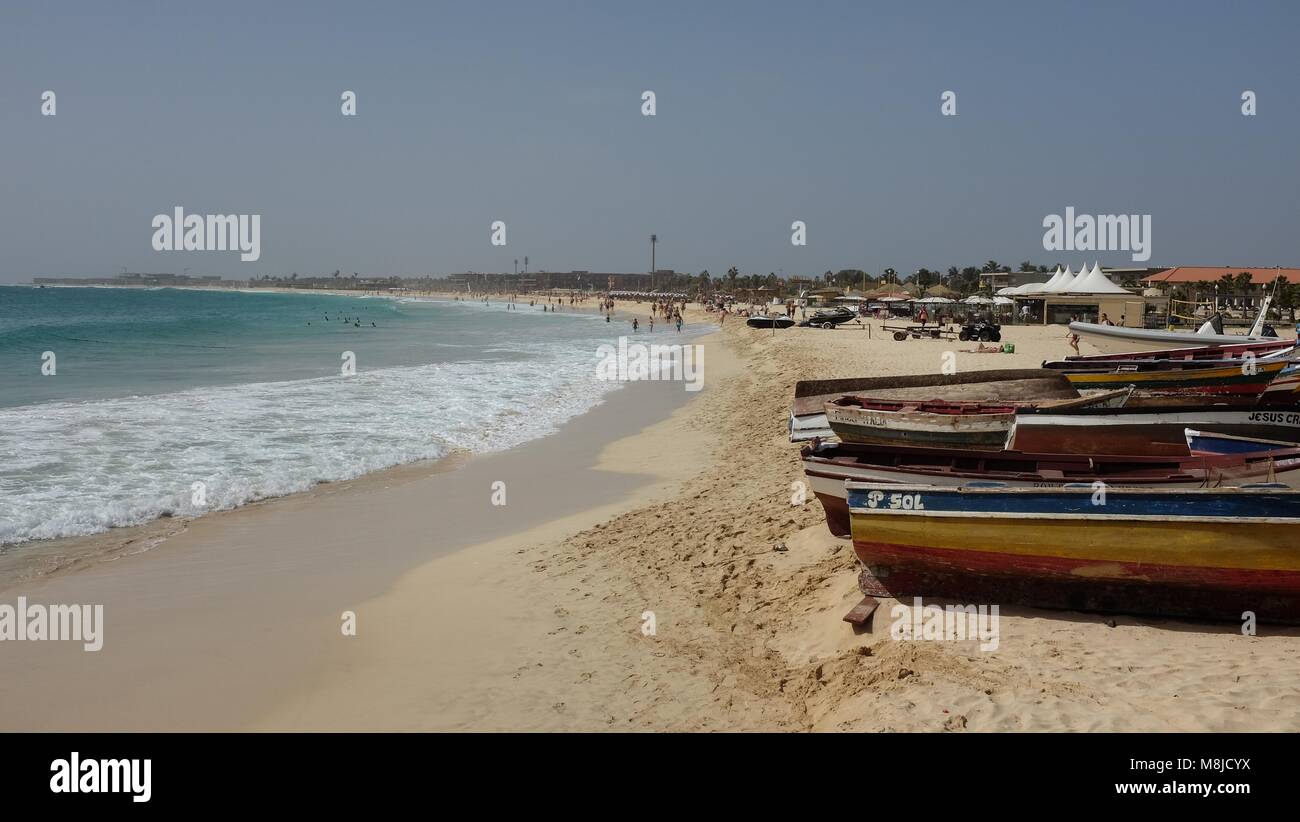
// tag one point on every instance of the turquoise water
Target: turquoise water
(113, 342)
(176, 401)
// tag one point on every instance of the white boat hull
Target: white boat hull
(1114, 339)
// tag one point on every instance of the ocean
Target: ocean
(156, 391)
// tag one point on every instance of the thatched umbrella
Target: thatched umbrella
(941, 290)
(888, 291)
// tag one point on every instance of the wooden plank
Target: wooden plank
(862, 611)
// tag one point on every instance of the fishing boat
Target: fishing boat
(1115, 338)
(1204, 442)
(1148, 430)
(1284, 389)
(1263, 350)
(808, 413)
(1202, 553)
(957, 424)
(1247, 377)
(770, 321)
(828, 466)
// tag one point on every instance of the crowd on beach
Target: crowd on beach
(668, 310)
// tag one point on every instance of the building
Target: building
(993, 280)
(138, 279)
(1122, 309)
(562, 281)
(1208, 283)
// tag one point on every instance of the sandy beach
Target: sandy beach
(659, 509)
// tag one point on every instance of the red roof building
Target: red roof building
(1210, 273)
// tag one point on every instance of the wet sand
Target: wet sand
(207, 622)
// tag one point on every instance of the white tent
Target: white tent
(1011, 289)
(976, 299)
(1003, 301)
(1056, 279)
(936, 300)
(1094, 282)
(1063, 284)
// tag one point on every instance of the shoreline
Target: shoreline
(540, 623)
(545, 630)
(36, 558)
(225, 575)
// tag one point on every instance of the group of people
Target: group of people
(668, 311)
(355, 322)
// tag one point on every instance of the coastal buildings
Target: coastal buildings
(1232, 288)
(575, 280)
(139, 279)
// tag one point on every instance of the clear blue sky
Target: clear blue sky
(529, 112)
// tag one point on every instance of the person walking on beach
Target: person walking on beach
(652, 322)
(634, 324)
(923, 316)
(679, 323)
(1073, 337)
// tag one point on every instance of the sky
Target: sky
(531, 113)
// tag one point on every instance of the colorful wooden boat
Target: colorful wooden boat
(1150, 430)
(1154, 377)
(808, 413)
(1206, 553)
(1204, 442)
(942, 423)
(1284, 389)
(1276, 347)
(829, 465)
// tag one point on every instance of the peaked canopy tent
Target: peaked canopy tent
(1094, 282)
(1056, 278)
(1063, 284)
